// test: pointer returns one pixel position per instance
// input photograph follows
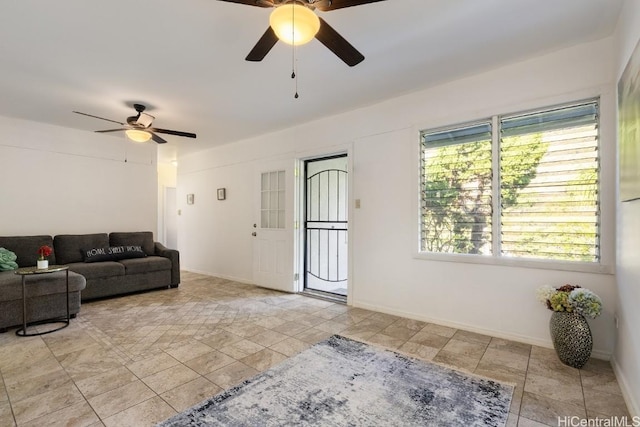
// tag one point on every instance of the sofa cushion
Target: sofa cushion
(26, 248)
(134, 238)
(146, 265)
(98, 270)
(38, 284)
(69, 247)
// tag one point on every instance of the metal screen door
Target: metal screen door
(326, 231)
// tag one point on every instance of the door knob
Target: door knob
(254, 234)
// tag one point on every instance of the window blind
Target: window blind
(549, 177)
(456, 191)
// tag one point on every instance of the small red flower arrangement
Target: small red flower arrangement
(44, 251)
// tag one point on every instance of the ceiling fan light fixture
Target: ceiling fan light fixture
(137, 135)
(294, 24)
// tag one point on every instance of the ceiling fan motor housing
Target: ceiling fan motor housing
(141, 120)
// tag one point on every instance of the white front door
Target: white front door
(273, 234)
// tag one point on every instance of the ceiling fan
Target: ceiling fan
(291, 18)
(138, 128)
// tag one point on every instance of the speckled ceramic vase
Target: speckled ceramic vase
(571, 338)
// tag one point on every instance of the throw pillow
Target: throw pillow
(134, 238)
(113, 253)
(97, 255)
(127, 252)
(7, 260)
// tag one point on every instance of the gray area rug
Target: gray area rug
(341, 382)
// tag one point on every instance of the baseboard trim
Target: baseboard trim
(633, 402)
(598, 354)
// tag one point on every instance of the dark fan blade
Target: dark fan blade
(259, 3)
(264, 45)
(158, 139)
(338, 45)
(173, 132)
(327, 5)
(110, 130)
(96, 117)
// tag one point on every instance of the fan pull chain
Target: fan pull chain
(294, 76)
(293, 51)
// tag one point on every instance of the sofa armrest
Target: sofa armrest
(174, 256)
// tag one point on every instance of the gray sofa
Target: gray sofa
(126, 262)
(159, 268)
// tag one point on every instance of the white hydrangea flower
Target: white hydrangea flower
(544, 293)
(585, 302)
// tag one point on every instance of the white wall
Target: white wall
(55, 180)
(383, 144)
(626, 358)
(214, 235)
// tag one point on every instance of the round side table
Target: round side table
(32, 272)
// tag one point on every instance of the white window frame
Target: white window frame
(607, 187)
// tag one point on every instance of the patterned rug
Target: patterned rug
(341, 382)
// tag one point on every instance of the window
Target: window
(520, 186)
(457, 190)
(272, 201)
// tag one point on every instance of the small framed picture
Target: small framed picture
(222, 193)
(190, 199)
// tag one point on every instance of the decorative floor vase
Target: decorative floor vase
(43, 264)
(571, 338)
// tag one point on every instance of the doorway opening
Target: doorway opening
(170, 218)
(326, 227)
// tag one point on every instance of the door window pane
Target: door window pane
(272, 199)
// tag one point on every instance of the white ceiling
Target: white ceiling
(185, 58)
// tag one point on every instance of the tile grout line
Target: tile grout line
(524, 383)
(4, 384)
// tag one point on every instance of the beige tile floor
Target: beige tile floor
(136, 360)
